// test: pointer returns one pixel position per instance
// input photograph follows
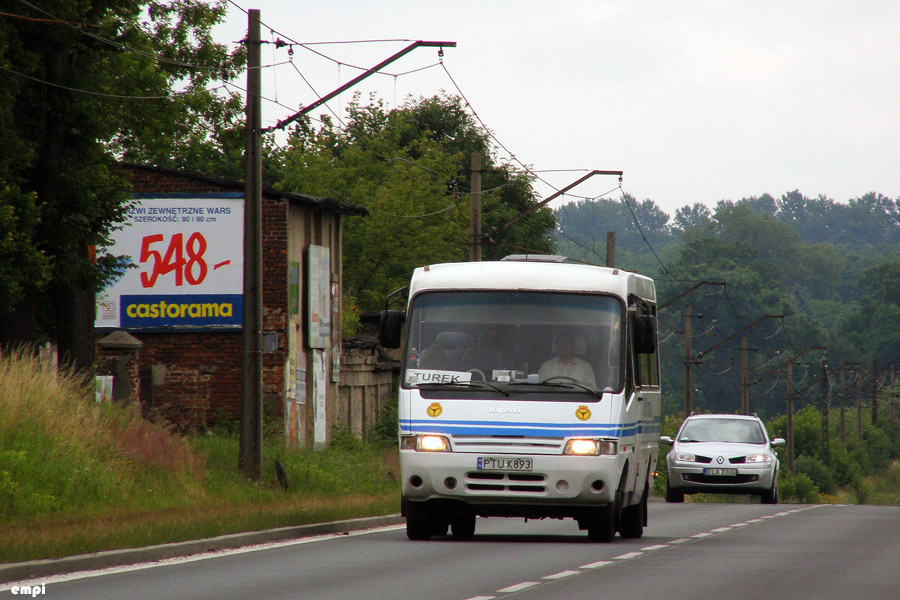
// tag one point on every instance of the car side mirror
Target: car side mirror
(777, 442)
(666, 439)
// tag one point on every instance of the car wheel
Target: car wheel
(463, 526)
(418, 521)
(632, 526)
(673, 495)
(771, 496)
(601, 524)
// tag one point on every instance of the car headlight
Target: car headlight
(425, 443)
(685, 457)
(759, 458)
(589, 447)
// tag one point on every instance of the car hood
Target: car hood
(726, 449)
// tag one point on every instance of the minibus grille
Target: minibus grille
(507, 444)
(517, 483)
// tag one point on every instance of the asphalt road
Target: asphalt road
(698, 551)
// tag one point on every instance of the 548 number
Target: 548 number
(182, 257)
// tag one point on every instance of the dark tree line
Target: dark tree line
(832, 269)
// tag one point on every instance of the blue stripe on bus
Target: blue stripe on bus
(526, 429)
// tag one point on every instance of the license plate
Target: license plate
(490, 463)
(720, 472)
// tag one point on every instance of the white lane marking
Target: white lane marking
(627, 555)
(721, 529)
(739, 524)
(197, 557)
(560, 575)
(656, 547)
(482, 598)
(755, 521)
(597, 565)
(701, 535)
(680, 541)
(518, 587)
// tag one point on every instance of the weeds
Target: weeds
(77, 476)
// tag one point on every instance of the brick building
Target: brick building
(169, 329)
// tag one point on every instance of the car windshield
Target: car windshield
(739, 431)
(520, 342)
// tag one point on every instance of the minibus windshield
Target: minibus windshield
(514, 341)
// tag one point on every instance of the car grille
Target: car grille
(521, 483)
(702, 459)
(718, 479)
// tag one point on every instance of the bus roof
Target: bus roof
(538, 275)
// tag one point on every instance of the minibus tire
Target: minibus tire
(418, 521)
(633, 520)
(463, 526)
(602, 524)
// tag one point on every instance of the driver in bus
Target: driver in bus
(566, 364)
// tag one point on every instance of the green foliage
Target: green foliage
(411, 168)
(129, 82)
(797, 488)
(350, 323)
(818, 472)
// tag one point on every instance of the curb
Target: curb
(115, 558)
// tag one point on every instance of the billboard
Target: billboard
(185, 264)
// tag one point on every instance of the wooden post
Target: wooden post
(688, 384)
(790, 417)
(475, 211)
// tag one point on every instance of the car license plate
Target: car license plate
(490, 463)
(720, 472)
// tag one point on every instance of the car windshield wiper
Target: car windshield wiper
(458, 384)
(563, 384)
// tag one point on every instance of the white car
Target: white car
(722, 454)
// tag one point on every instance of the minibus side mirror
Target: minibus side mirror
(391, 328)
(643, 333)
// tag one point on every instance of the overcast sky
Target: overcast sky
(696, 101)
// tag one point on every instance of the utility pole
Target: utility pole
(475, 210)
(842, 388)
(745, 391)
(826, 403)
(789, 364)
(611, 249)
(859, 410)
(874, 392)
(790, 416)
(688, 383)
(250, 461)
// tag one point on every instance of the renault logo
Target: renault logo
(720, 460)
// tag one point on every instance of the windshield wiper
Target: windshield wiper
(457, 384)
(563, 384)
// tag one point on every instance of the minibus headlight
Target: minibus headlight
(425, 443)
(589, 447)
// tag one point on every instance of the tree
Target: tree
(410, 168)
(82, 82)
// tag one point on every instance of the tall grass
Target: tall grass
(77, 476)
(62, 452)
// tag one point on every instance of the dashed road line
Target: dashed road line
(561, 574)
(596, 565)
(512, 589)
(518, 587)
